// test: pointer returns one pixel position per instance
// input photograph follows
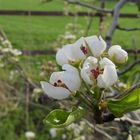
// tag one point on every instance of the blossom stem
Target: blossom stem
(85, 99)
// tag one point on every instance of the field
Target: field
(41, 33)
(34, 32)
(38, 32)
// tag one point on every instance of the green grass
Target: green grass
(40, 32)
(37, 32)
(30, 5)
(34, 32)
(55, 5)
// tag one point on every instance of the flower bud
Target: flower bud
(30, 135)
(53, 132)
(117, 54)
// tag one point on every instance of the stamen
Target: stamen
(59, 81)
(84, 50)
(55, 84)
(95, 72)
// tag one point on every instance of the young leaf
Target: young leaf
(128, 103)
(59, 118)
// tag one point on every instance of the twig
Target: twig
(126, 29)
(24, 75)
(126, 119)
(135, 116)
(99, 130)
(137, 78)
(77, 2)
(116, 14)
(102, 17)
(27, 106)
(129, 67)
(31, 103)
(89, 26)
(132, 88)
(133, 51)
(2, 34)
(135, 48)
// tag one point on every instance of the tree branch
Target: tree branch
(116, 14)
(126, 29)
(132, 88)
(77, 2)
(126, 119)
(129, 67)
(99, 130)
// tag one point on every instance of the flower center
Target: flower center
(84, 50)
(59, 83)
(96, 72)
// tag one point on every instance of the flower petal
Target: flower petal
(96, 44)
(61, 58)
(101, 81)
(105, 61)
(55, 92)
(71, 52)
(76, 50)
(117, 54)
(69, 68)
(108, 78)
(55, 76)
(85, 76)
(72, 80)
(71, 77)
(91, 62)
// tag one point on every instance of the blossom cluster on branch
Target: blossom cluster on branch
(85, 61)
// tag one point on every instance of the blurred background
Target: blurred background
(31, 31)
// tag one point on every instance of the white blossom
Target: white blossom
(117, 54)
(103, 72)
(63, 83)
(96, 44)
(30, 135)
(53, 132)
(71, 53)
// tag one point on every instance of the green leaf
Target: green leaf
(59, 118)
(126, 104)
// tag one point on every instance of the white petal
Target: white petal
(105, 61)
(85, 76)
(101, 82)
(69, 68)
(71, 77)
(67, 49)
(76, 50)
(72, 80)
(61, 58)
(108, 78)
(96, 44)
(91, 61)
(55, 76)
(30, 135)
(73, 51)
(55, 92)
(117, 54)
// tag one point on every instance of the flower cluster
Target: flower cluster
(8, 48)
(87, 60)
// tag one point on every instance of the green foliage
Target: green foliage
(59, 118)
(126, 104)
